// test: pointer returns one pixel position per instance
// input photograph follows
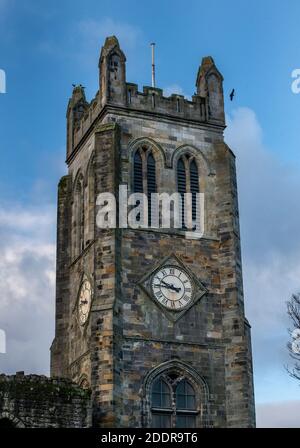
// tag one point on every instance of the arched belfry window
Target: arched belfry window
(144, 175)
(194, 185)
(151, 182)
(173, 402)
(188, 182)
(181, 185)
(138, 173)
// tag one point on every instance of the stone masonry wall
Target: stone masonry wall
(39, 402)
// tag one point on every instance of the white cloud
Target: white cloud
(95, 32)
(27, 281)
(282, 414)
(270, 219)
(175, 88)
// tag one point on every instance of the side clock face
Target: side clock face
(84, 302)
(172, 287)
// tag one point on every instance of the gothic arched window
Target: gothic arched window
(181, 185)
(194, 184)
(138, 173)
(187, 182)
(173, 403)
(151, 182)
(144, 175)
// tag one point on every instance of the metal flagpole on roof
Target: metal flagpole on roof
(153, 64)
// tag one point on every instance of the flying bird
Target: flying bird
(231, 95)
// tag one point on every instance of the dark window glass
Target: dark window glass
(138, 173)
(194, 179)
(185, 421)
(161, 395)
(185, 396)
(181, 185)
(151, 182)
(161, 420)
(173, 404)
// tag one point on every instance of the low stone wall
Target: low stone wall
(36, 401)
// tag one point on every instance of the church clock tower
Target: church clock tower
(150, 320)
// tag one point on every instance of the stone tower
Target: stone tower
(146, 363)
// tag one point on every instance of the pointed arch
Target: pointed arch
(138, 173)
(200, 179)
(8, 420)
(194, 185)
(181, 184)
(201, 160)
(151, 182)
(148, 161)
(189, 397)
(157, 150)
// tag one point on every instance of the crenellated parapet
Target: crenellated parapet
(206, 105)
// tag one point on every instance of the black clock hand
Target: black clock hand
(167, 284)
(172, 287)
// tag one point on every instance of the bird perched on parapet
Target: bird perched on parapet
(231, 95)
(80, 85)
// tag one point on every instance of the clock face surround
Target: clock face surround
(84, 301)
(172, 287)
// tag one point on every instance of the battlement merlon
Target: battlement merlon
(205, 107)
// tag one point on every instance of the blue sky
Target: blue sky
(46, 46)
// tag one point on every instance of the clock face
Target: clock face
(172, 287)
(84, 302)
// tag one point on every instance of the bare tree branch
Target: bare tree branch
(293, 309)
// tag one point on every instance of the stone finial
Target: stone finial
(112, 73)
(207, 66)
(78, 93)
(111, 41)
(75, 110)
(209, 85)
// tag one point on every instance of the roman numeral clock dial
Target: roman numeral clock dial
(84, 302)
(172, 288)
